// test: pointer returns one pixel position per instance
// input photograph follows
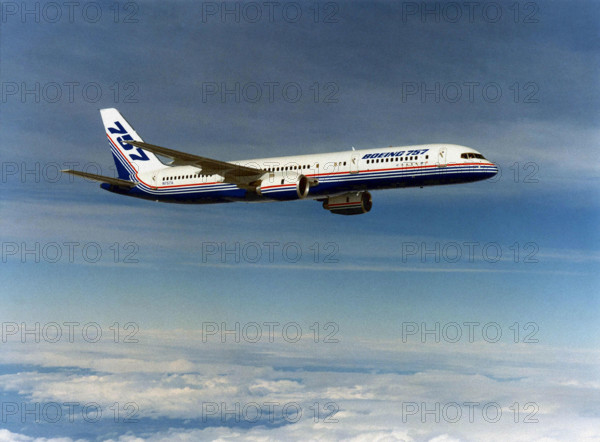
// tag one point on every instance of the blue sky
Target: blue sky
(522, 88)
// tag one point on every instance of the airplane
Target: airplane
(340, 180)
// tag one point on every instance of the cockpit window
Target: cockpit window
(467, 155)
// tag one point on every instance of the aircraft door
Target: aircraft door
(354, 163)
(442, 157)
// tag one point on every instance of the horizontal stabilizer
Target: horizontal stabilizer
(102, 179)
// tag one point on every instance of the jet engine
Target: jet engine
(302, 186)
(288, 188)
(351, 203)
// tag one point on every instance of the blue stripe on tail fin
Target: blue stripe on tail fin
(130, 160)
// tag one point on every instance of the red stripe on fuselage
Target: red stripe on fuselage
(292, 184)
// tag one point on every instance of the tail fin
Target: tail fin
(129, 160)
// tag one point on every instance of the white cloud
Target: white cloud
(8, 436)
(371, 398)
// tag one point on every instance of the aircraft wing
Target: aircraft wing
(102, 179)
(233, 173)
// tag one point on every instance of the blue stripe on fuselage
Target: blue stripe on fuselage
(328, 184)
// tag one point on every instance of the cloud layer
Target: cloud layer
(382, 390)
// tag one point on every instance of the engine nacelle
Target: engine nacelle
(302, 186)
(288, 188)
(351, 203)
